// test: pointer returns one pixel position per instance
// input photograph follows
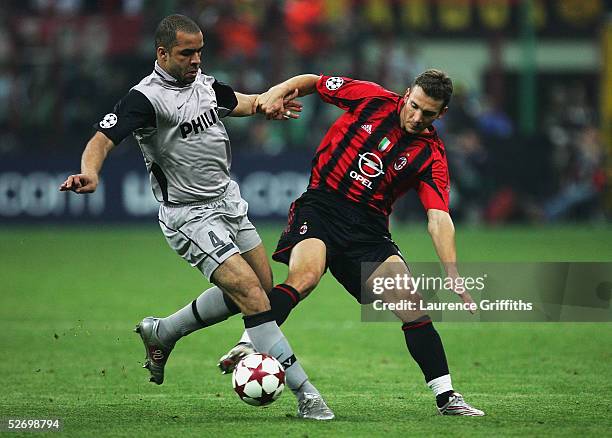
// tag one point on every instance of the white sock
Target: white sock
(268, 338)
(245, 339)
(441, 384)
(210, 307)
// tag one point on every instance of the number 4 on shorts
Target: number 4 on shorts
(217, 243)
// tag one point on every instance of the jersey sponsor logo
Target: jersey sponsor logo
(362, 179)
(370, 164)
(334, 83)
(400, 163)
(108, 121)
(367, 128)
(384, 145)
(199, 124)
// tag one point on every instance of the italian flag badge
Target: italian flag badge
(384, 145)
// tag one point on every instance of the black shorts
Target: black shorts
(352, 236)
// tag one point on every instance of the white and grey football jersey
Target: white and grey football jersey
(178, 128)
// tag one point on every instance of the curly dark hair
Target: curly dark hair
(436, 84)
(165, 34)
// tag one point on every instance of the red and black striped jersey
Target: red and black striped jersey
(368, 158)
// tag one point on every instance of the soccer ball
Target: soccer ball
(258, 379)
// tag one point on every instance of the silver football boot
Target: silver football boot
(458, 406)
(312, 406)
(228, 361)
(157, 352)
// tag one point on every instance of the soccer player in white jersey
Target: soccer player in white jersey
(175, 115)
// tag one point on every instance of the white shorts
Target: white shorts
(205, 234)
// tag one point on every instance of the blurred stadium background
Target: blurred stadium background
(528, 137)
(528, 132)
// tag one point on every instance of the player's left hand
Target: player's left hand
(467, 299)
(462, 292)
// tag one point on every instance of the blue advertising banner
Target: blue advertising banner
(29, 189)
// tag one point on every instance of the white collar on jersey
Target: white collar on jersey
(168, 77)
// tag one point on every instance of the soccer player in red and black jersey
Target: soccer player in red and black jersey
(381, 147)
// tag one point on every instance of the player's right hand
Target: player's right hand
(80, 183)
(292, 109)
(272, 103)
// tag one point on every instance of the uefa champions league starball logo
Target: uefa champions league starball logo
(108, 121)
(334, 83)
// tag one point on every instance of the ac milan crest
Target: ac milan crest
(304, 228)
(400, 163)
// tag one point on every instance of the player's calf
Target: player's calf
(307, 264)
(238, 280)
(304, 281)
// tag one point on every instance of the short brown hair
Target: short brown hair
(165, 34)
(436, 84)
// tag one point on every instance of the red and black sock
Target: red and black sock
(283, 298)
(425, 347)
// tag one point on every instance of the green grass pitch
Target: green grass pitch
(70, 298)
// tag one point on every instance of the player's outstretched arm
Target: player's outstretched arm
(442, 231)
(273, 102)
(247, 106)
(91, 162)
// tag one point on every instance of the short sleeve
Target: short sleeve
(132, 112)
(347, 93)
(433, 186)
(226, 98)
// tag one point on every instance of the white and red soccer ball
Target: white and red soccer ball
(258, 379)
